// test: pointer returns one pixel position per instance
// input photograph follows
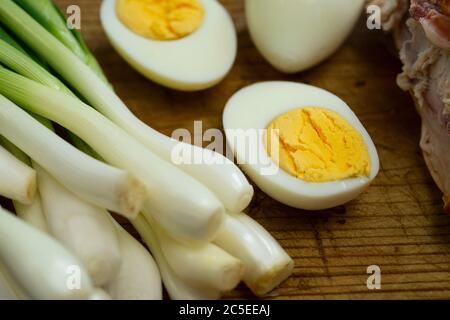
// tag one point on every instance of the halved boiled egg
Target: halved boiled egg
(301, 145)
(182, 44)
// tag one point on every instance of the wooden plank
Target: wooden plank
(397, 224)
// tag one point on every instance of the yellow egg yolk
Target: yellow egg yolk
(161, 19)
(317, 145)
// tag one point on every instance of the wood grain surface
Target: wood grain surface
(397, 224)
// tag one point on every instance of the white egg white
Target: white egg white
(255, 107)
(294, 35)
(195, 62)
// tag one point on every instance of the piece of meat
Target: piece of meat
(432, 15)
(422, 35)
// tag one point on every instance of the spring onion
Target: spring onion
(40, 265)
(223, 275)
(83, 228)
(49, 16)
(177, 288)
(138, 277)
(18, 181)
(266, 263)
(16, 59)
(10, 40)
(9, 290)
(218, 173)
(100, 294)
(204, 265)
(31, 213)
(178, 202)
(90, 179)
(27, 67)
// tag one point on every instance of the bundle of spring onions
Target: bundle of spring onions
(189, 216)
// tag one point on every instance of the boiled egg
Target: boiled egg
(294, 35)
(300, 144)
(182, 44)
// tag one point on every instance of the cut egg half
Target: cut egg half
(249, 113)
(194, 62)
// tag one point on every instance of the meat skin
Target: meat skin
(432, 16)
(422, 33)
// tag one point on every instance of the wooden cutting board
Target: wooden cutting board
(397, 224)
